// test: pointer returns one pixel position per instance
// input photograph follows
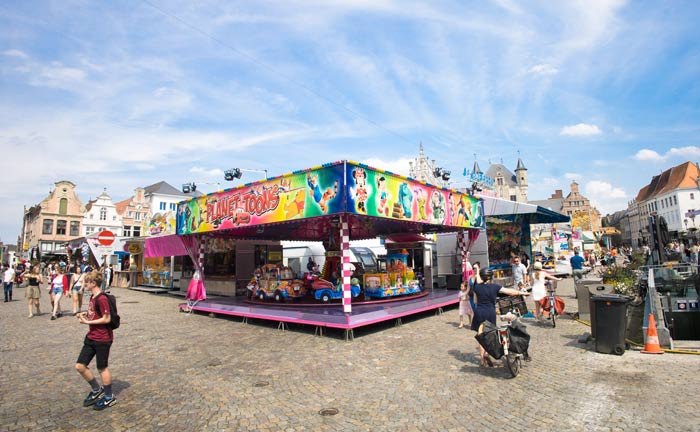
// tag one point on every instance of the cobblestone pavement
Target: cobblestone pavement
(189, 372)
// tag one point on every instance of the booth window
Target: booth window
(48, 226)
(220, 263)
(63, 206)
(61, 227)
(74, 228)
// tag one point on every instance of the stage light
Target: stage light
(233, 173)
(189, 187)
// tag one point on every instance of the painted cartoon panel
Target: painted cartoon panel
(374, 192)
(309, 193)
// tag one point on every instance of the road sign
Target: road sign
(105, 238)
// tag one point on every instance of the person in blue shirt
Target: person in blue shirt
(577, 266)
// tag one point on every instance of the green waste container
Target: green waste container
(610, 323)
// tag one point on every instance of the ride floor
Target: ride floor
(328, 315)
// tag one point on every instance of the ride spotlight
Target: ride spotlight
(233, 173)
(189, 187)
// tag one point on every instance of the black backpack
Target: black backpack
(114, 318)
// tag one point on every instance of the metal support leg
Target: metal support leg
(438, 311)
(398, 322)
(282, 326)
(318, 331)
(245, 320)
(349, 335)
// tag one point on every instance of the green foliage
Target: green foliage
(623, 279)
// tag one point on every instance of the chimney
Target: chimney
(557, 194)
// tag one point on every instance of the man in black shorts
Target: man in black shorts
(97, 343)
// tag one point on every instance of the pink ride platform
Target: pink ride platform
(330, 315)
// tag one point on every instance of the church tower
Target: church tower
(521, 180)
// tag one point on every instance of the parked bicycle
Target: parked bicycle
(509, 341)
(551, 287)
(511, 359)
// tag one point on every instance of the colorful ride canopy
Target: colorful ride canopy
(373, 199)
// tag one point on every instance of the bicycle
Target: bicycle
(511, 359)
(551, 287)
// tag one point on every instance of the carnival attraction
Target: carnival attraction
(332, 203)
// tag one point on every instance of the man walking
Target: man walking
(519, 273)
(8, 280)
(577, 266)
(98, 342)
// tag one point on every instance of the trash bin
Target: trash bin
(594, 289)
(610, 323)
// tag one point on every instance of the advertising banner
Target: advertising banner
(378, 193)
(342, 187)
(310, 193)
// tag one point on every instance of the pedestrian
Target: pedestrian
(485, 295)
(8, 281)
(519, 273)
(577, 266)
(473, 280)
(694, 249)
(77, 289)
(58, 286)
(465, 309)
(538, 289)
(525, 260)
(34, 290)
(97, 343)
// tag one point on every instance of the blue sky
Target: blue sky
(126, 93)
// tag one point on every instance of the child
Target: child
(465, 307)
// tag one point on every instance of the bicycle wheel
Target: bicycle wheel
(512, 364)
(553, 313)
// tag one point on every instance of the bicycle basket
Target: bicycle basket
(488, 339)
(507, 304)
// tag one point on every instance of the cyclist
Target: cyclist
(485, 294)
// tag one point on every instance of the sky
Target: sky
(123, 94)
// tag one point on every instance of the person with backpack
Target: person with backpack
(97, 343)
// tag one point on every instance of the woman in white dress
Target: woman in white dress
(538, 289)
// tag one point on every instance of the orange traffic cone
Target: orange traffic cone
(652, 343)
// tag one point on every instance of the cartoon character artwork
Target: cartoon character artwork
(295, 207)
(382, 197)
(321, 197)
(360, 191)
(406, 200)
(420, 203)
(458, 212)
(437, 205)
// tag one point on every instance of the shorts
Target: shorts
(33, 292)
(56, 291)
(76, 289)
(93, 348)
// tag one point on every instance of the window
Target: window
(61, 227)
(499, 181)
(46, 247)
(127, 231)
(513, 198)
(131, 214)
(173, 206)
(89, 230)
(692, 196)
(137, 231)
(675, 199)
(138, 216)
(48, 226)
(162, 206)
(74, 228)
(63, 206)
(91, 216)
(103, 214)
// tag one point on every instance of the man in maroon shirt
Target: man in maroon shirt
(97, 344)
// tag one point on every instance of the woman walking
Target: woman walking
(77, 289)
(538, 289)
(34, 291)
(59, 286)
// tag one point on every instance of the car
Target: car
(562, 267)
(327, 293)
(273, 282)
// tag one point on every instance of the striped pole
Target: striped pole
(347, 267)
(462, 246)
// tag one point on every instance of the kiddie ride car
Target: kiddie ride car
(277, 283)
(325, 291)
(382, 285)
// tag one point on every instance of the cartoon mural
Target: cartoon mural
(342, 187)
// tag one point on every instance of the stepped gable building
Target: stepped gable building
(675, 195)
(424, 170)
(100, 215)
(49, 225)
(135, 212)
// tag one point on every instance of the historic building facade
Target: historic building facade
(100, 215)
(49, 225)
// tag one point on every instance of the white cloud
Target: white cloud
(688, 152)
(605, 197)
(544, 69)
(580, 129)
(648, 155)
(397, 166)
(215, 172)
(572, 176)
(15, 53)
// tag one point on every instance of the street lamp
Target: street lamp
(236, 173)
